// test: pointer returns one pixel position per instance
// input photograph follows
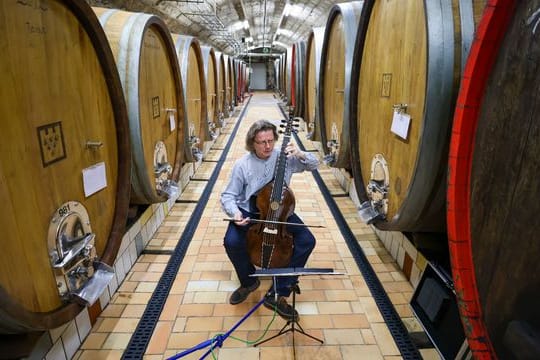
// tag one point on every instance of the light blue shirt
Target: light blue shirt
(250, 174)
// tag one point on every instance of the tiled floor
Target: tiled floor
(338, 309)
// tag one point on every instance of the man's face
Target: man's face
(264, 144)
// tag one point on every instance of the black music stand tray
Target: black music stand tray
(292, 325)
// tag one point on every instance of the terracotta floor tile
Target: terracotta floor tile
(354, 352)
(181, 341)
(94, 341)
(336, 307)
(343, 336)
(385, 342)
(160, 337)
(186, 310)
(113, 310)
(133, 311)
(350, 321)
(170, 309)
(101, 355)
(117, 341)
(123, 325)
(202, 323)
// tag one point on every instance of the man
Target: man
(249, 174)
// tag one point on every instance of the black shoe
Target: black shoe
(240, 294)
(284, 310)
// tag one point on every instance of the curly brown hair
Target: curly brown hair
(256, 127)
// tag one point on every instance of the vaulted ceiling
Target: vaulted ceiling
(236, 27)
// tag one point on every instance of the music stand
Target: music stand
(292, 325)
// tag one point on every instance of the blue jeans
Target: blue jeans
(236, 248)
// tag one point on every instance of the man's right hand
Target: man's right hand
(240, 220)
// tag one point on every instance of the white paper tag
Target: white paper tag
(94, 179)
(171, 121)
(400, 124)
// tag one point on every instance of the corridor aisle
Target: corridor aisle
(338, 309)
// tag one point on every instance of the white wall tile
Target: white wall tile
(71, 341)
(83, 324)
(56, 352)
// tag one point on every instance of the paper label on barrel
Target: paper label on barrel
(400, 124)
(94, 179)
(171, 121)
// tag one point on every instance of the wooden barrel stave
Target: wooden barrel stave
(67, 114)
(148, 67)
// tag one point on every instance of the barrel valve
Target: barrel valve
(368, 214)
(311, 130)
(331, 158)
(213, 130)
(163, 171)
(377, 188)
(73, 255)
(197, 153)
(221, 118)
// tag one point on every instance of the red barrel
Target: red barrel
(493, 190)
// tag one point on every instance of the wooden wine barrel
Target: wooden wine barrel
(64, 159)
(211, 84)
(405, 93)
(299, 69)
(493, 187)
(335, 82)
(148, 67)
(311, 82)
(223, 111)
(189, 54)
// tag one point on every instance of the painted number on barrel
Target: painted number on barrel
(64, 210)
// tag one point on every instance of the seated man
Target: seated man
(249, 174)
